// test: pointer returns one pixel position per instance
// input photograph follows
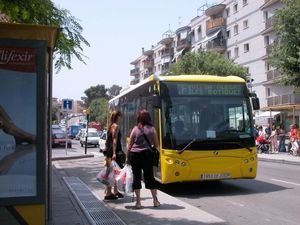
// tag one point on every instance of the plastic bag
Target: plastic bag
(128, 179)
(120, 179)
(107, 174)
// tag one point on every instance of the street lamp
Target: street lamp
(87, 112)
(249, 84)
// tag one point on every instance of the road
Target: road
(272, 198)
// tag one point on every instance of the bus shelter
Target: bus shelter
(25, 119)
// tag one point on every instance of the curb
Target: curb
(283, 161)
(72, 157)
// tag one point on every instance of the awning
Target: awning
(166, 60)
(267, 114)
(29, 32)
(211, 36)
(177, 54)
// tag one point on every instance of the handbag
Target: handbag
(154, 151)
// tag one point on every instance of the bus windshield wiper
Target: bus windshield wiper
(188, 144)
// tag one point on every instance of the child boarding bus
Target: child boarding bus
(204, 123)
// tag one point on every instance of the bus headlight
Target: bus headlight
(183, 164)
(246, 161)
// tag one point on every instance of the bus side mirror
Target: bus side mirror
(156, 101)
(255, 103)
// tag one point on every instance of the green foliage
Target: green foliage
(209, 63)
(99, 109)
(55, 112)
(285, 54)
(114, 90)
(70, 40)
(94, 92)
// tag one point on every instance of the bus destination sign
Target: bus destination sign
(213, 89)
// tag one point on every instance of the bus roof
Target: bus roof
(183, 78)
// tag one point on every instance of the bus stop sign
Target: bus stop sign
(67, 104)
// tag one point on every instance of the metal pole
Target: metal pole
(87, 132)
(294, 120)
(49, 137)
(67, 135)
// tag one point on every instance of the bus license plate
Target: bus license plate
(214, 176)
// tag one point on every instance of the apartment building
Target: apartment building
(243, 31)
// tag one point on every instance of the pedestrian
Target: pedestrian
(112, 149)
(268, 132)
(273, 138)
(282, 133)
(140, 157)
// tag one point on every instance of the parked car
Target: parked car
(92, 138)
(59, 139)
(102, 141)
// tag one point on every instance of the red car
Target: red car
(59, 139)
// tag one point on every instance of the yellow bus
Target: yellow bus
(205, 125)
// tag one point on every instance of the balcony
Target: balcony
(134, 71)
(167, 52)
(182, 44)
(269, 25)
(273, 75)
(166, 41)
(149, 63)
(134, 81)
(283, 100)
(269, 49)
(214, 23)
(268, 3)
(215, 10)
(217, 45)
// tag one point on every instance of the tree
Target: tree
(55, 113)
(70, 40)
(210, 63)
(94, 92)
(99, 109)
(285, 54)
(114, 90)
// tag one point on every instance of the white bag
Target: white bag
(120, 179)
(128, 179)
(106, 176)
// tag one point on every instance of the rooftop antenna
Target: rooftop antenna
(168, 33)
(179, 21)
(202, 8)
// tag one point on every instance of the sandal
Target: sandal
(110, 197)
(138, 206)
(119, 195)
(156, 203)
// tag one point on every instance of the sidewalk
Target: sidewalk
(281, 157)
(69, 153)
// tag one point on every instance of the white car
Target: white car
(92, 138)
(102, 141)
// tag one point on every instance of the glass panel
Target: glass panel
(215, 118)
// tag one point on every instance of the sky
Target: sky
(117, 30)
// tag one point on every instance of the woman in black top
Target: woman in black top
(113, 146)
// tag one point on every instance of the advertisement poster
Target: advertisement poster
(18, 122)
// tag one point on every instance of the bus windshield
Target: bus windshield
(204, 116)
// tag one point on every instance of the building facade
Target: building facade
(243, 31)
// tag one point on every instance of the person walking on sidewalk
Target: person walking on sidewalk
(282, 138)
(273, 138)
(112, 148)
(140, 157)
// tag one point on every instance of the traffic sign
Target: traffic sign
(67, 104)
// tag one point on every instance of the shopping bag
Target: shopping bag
(106, 176)
(128, 179)
(120, 179)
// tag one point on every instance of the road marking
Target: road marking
(236, 203)
(287, 182)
